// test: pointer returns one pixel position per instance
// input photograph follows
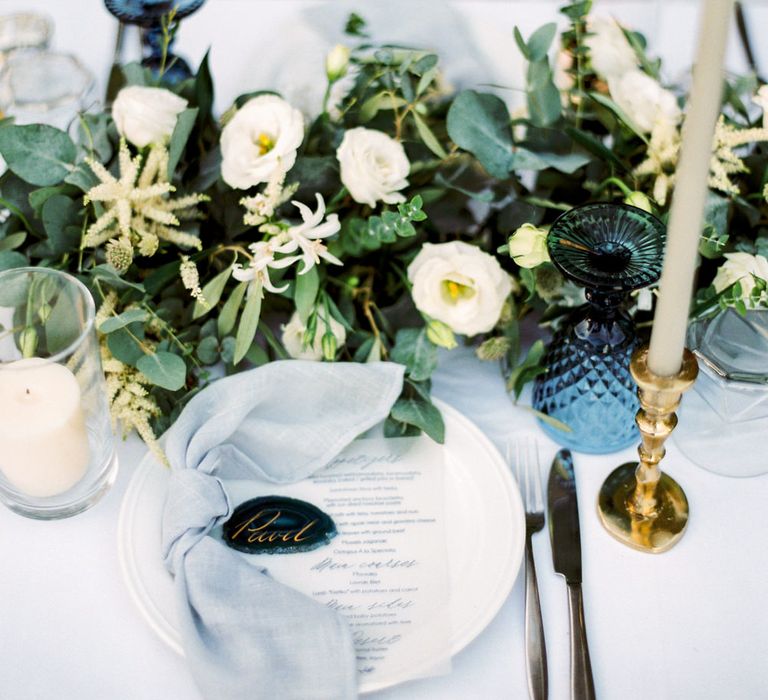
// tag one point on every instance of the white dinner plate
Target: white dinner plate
(485, 527)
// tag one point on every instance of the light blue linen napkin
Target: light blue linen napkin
(244, 634)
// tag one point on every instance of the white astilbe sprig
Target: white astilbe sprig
(261, 207)
(661, 159)
(190, 278)
(130, 402)
(138, 208)
(725, 162)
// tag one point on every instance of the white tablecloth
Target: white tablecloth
(690, 623)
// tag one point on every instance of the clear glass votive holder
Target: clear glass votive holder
(24, 30)
(45, 87)
(57, 448)
(724, 420)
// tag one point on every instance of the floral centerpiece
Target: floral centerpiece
(397, 218)
(262, 236)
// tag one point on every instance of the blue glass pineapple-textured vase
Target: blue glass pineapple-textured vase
(610, 249)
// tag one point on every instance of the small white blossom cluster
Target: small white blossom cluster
(299, 243)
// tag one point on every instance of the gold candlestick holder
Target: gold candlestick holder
(638, 504)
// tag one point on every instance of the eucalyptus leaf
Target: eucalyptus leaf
(305, 293)
(619, 113)
(423, 415)
(429, 139)
(184, 125)
(113, 323)
(479, 123)
(228, 313)
(539, 42)
(61, 220)
(208, 350)
(40, 154)
(568, 163)
(12, 241)
(124, 345)
(414, 350)
(11, 259)
(107, 274)
(249, 322)
(164, 369)
(212, 292)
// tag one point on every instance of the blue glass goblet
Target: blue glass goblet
(148, 15)
(611, 250)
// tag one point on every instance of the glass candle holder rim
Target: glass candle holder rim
(43, 19)
(583, 279)
(90, 310)
(47, 105)
(714, 366)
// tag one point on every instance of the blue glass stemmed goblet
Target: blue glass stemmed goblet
(611, 250)
(148, 15)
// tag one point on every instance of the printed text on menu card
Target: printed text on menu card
(386, 570)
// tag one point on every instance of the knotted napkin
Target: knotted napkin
(244, 634)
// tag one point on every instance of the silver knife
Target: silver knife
(566, 556)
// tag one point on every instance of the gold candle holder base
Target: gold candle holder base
(637, 504)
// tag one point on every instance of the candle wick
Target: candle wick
(27, 392)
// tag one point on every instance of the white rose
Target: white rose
(293, 337)
(609, 51)
(528, 246)
(145, 115)
(262, 137)
(743, 268)
(373, 166)
(761, 99)
(460, 285)
(643, 100)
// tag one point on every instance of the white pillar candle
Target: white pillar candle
(670, 323)
(43, 439)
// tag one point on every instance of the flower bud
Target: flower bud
(639, 200)
(44, 312)
(337, 62)
(527, 246)
(329, 346)
(441, 335)
(28, 342)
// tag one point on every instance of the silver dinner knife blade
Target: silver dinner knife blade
(566, 555)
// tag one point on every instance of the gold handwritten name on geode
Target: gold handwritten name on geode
(258, 531)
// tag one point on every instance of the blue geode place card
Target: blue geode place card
(278, 525)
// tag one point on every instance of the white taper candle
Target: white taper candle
(665, 354)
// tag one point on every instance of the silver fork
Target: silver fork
(528, 475)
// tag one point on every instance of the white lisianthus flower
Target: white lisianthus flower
(460, 285)
(761, 99)
(609, 51)
(742, 268)
(528, 246)
(643, 100)
(373, 166)
(261, 137)
(293, 337)
(145, 115)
